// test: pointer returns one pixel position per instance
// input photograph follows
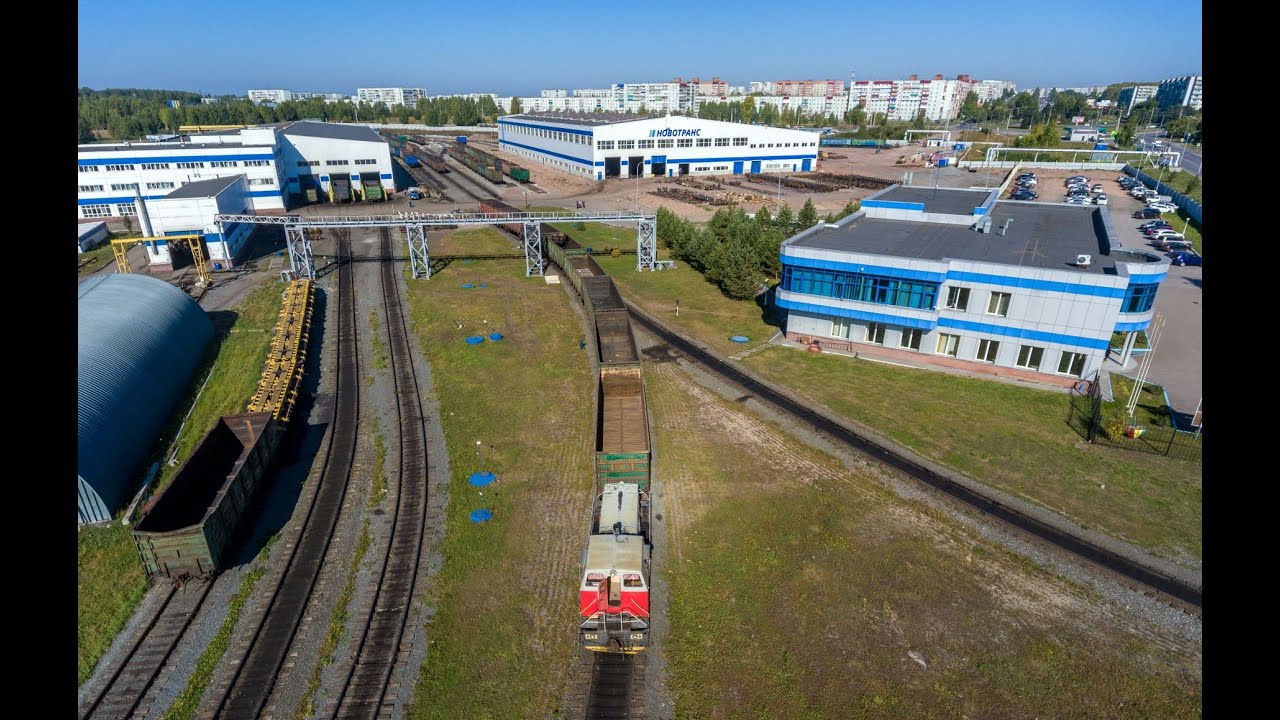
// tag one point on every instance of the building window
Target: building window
(314, 163)
(125, 186)
(262, 181)
(722, 142)
(998, 304)
(987, 350)
(948, 344)
(861, 287)
(336, 163)
(875, 333)
(88, 168)
(704, 142)
(96, 210)
(1029, 357)
(958, 298)
(626, 144)
(1071, 364)
(190, 165)
(117, 168)
(684, 142)
(155, 166)
(1139, 298)
(90, 188)
(667, 143)
(303, 163)
(126, 209)
(840, 328)
(604, 145)
(223, 163)
(910, 338)
(739, 142)
(644, 144)
(257, 163)
(160, 186)
(366, 162)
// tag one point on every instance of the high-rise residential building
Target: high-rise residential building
(276, 96)
(801, 88)
(391, 96)
(1186, 90)
(1135, 94)
(697, 86)
(938, 98)
(989, 90)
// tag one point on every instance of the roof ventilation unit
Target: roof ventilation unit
(1004, 229)
(1084, 260)
(983, 225)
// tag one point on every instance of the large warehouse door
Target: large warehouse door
(658, 169)
(635, 166)
(804, 165)
(612, 167)
(737, 168)
(684, 168)
(755, 166)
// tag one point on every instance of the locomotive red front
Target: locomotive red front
(613, 598)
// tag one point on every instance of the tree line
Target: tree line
(123, 114)
(738, 252)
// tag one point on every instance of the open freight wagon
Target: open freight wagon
(186, 529)
(622, 428)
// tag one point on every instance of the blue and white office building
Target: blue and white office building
(607, 145)
(276, 163)
(957, 278)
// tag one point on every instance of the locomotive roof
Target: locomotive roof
(627, 512)
(624, 553)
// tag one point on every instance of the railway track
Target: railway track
(617, 687)
(1135, 576)
(460, 171)
(131, 684)
(250, 686)
(365, 689)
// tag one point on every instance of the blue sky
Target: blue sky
(230, 46)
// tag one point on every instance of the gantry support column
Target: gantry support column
(646, 244)
(533, 249)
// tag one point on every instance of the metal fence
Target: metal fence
(1086, 417)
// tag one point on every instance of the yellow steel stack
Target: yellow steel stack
(277, 391)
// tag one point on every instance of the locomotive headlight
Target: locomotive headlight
(637, 636)
(591, 636)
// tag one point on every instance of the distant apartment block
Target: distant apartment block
(697, 86)
(988, 90)
(275, 96)
(408, 97)
(1185, 90)
(1135, 94)
(802, 88)
(938, 98)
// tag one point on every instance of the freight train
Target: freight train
(613, 592)
(186, 528)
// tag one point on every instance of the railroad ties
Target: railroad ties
(617, 687)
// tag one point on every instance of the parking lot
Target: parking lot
(1177, 362)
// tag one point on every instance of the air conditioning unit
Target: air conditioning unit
(1084, 260)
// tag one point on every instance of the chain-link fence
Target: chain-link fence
(1087, 417)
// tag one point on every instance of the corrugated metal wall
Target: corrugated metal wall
(140, 340)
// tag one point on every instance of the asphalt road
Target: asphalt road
(1191, 156)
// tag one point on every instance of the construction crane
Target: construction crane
(120, 247)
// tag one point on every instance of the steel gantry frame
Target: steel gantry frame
(120, 247)
(415, 226)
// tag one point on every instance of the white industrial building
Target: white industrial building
(276, 162)
(616, 145)
(191, 210)
(408, 97)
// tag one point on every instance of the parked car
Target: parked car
(1097, 187)
(1163, 207)
(1167, 235)
(1100, 200)
(1146, 214)
(1187, 257)
(1077, 200)
(1174, 246)
(1156, 233)
(1155, 225)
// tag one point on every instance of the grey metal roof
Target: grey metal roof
(204, 188)
(336, 131)
(589, 119)
(1041, 235)
(942, 200)
(140, 340)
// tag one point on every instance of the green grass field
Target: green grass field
(1011, 437)
(91, 261)
(472, 241)
(802, 590)
(110, 578)
(505, 600)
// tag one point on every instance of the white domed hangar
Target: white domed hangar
(608, 145)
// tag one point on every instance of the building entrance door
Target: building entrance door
(684, 168)
(635, 166)
(613, 167)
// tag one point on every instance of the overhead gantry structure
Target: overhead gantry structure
(415, 226)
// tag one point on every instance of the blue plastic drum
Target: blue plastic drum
(481, 515)
(475, 339)
(740, 338)
(495, 337)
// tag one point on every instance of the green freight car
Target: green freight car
(186, 528)
(371, 187)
